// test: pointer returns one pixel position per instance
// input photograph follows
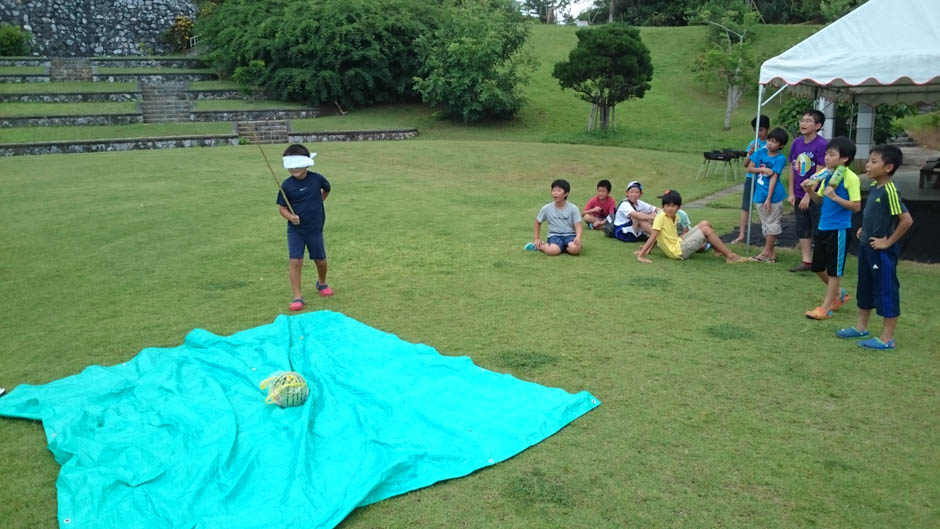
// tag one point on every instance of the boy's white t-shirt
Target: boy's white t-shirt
(622, 218)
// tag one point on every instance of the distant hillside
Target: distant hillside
(677, 114)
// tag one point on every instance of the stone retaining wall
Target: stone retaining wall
(351, 135)
(22, 61)
(124, 119)
(214, 94)
(87, 28)
(154, 77)
(171, 142)
(130, 144)
(147, 62)
(70, 121)
(77, 97)
(102, 97)
(32, 78)
(253, 115)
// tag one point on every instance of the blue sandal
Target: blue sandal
(851, 332)
(877, 344)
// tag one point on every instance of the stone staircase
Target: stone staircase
(70, 69)
(273, 131)
(165, 102)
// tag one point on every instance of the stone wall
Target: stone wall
(87, 28)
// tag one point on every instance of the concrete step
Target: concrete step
(262, 131)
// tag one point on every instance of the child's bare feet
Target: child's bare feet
(739, 240)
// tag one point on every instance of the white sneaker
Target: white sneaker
(2, 391)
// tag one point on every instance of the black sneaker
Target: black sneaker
(801, 267)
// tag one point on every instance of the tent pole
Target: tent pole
(750, 199)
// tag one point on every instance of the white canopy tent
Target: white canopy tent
(884, 51)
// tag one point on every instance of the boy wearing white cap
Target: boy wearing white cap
(633, 219)
(301, 203)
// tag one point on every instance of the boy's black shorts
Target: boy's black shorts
(806, 220)
(829, 251)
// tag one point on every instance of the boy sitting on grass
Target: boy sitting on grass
(840, 196)
(564, 224)
(665, 234)
(886, 220)
(602, 204)
(633, 219)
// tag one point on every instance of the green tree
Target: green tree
(546, 11)
(728, 57)
(351, 52)
(474, 63)
(609, 65)
(638, 12)
(14, 41)
(834, 9)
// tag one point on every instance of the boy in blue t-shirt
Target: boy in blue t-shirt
(305, 191)
(839, 201)
(886, 220)
(755, 145)
(767, 164)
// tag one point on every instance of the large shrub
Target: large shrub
(353, 52)
(14, 41)
(474, 63)
(609, 65)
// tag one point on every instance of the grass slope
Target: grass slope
(722, 405)
(677, 113)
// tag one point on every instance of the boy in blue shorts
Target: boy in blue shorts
(840, 196)
(564, 224)
(305, 191)
(762, 126)
(885, 221)
(767, 165)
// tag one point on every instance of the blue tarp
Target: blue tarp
(181, 437)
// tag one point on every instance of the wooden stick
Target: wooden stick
(276, 181)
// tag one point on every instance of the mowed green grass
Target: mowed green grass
(67, 87)
(136, 130)
(722, 405)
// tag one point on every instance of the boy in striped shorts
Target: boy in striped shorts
(840, 196)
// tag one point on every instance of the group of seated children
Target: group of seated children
(632, 221)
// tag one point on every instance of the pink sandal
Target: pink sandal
(324, 289)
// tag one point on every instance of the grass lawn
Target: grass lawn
(239, 104)
(66, 109)
(136, 130)
(67, 87)
(22, 70)
(722, 405)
